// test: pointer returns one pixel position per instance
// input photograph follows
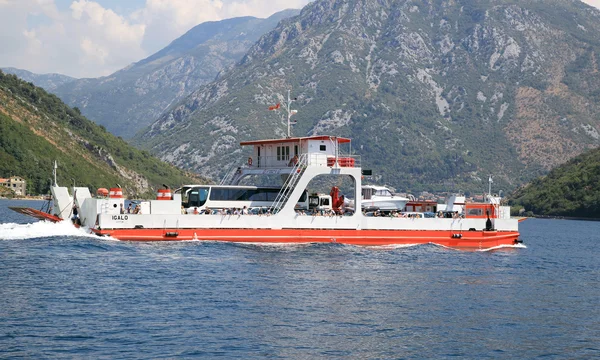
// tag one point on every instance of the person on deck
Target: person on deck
(75, 213)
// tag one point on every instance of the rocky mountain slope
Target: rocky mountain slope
(47, 81)
(36, 128)
(437, 94)
(133, 97)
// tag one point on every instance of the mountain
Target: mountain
(47, 81)
(36, 128)
(135, 96)
(437, 94)
(572, 189)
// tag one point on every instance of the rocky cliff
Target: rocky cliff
(437, 94)
(132, 98)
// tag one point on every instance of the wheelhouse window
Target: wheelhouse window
(323, 148)
(283, 153)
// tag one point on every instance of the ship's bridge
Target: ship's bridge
(318, 150)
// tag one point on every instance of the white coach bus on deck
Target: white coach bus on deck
(229, 197)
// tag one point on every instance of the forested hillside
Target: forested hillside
(571, 190)
(37, 128)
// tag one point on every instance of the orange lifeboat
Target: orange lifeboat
(115, 193)
(102, 192)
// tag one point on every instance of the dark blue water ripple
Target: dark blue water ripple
(84, 297)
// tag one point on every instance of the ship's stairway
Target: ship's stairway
(230, 174)
(290, 183)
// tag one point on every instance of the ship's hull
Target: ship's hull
(459, 239)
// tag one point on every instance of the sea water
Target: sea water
(66, 294)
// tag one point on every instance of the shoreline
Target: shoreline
(29, 198)
(556, 217)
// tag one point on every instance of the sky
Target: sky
(92, 38)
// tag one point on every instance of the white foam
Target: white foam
(290, 245)
(391, 246)
(515, 246)
(12, 231)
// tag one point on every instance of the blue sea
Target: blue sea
(65, 294)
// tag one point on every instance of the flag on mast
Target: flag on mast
(490, 180)
(275, 107)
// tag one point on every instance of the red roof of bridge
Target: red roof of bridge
(340, 140)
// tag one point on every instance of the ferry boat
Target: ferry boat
(292, 213)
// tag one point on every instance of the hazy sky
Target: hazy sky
(85, 38)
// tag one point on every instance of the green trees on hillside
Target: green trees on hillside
(572, 189)
(30, 153)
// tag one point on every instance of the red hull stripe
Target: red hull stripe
(476, 239)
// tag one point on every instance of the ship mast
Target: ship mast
(54, 172)
(289, 114)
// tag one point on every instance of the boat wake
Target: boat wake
(515, 246)
(40, 229)
(296, 246)
(392, 246)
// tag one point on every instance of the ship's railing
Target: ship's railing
(344, 160)
(279, 162)
(312, 159)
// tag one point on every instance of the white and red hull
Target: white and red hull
(450, 238)
(169, 218)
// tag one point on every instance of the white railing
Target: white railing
(312, 159)
(280, 162)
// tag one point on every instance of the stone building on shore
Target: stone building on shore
(15, 183)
